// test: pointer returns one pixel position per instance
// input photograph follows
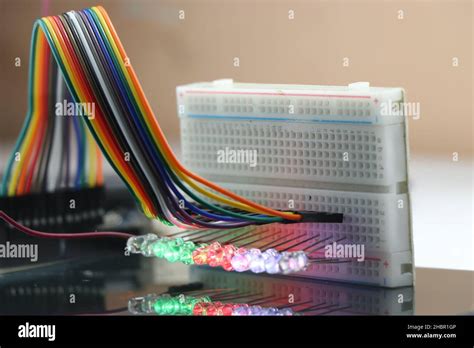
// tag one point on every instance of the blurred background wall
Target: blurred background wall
(415, 52)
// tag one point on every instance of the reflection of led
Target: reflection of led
(198, 306)
(181, 305)
(214, 309)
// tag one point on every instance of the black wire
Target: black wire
(60, 95)
(38, 170)
(52, 124)
(67, 141)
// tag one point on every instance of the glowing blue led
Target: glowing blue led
(271, 260)
(257, 262)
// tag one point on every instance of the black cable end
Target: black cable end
(73, 210)
(321, 217)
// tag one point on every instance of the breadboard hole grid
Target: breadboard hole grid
(335, 153)
(369, 219)
(365, 269)
(278, 105)
(369, 268)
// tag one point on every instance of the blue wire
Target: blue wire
(80, 150)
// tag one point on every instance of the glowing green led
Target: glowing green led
(172, 253)
(187, 257)
(174, 250)
(159, 248)
(186, 253)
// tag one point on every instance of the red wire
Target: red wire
(80, 235)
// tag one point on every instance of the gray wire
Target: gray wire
(85, 39)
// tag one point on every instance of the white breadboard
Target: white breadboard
(346, 299)
(305, 133)
(320, 148)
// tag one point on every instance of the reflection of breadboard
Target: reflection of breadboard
(319, 148)
(346, 299)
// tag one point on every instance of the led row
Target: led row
(229, 257)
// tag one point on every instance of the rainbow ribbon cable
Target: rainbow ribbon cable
(29, 168)
(199, 306)
(93, 64)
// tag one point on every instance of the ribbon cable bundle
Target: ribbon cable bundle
(91, 62)
(55, 160)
